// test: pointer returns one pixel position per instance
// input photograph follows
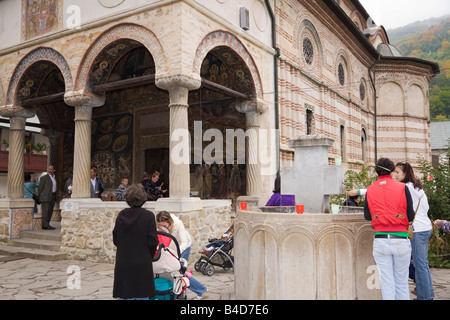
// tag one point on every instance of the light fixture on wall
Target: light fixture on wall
(244, 18)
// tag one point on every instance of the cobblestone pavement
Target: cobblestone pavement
(28, 279)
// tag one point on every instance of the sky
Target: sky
(397, 13)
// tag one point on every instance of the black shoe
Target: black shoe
(48, 228)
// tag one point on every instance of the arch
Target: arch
(342, 58)
(126, 31)
(358, 19)
(37, 55)
(223, 38)
(302, 26)
(391, 98)
(416, 100)
(2, 94)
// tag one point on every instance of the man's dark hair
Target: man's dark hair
(384, 167)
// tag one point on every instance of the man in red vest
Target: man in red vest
(389, 207)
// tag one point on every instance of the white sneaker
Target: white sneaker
(201, 297)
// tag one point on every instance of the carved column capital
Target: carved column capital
(253, 111)
(80, 98)
(10, 111)
(51, 134)
(178, 87)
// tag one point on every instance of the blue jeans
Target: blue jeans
(195, 286)
(393, 257)
(424, 284)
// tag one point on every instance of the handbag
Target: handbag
(35, 197)
(410, 227)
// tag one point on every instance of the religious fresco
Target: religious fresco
(40, 17)
(218, 179)
(104, 69)
(112, 148)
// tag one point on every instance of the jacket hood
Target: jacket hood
(128, 217)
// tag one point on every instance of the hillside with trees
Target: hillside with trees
(431, 42)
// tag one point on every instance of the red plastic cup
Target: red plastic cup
(243, 205)
(300, 208)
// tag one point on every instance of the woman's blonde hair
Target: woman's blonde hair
(164, 216)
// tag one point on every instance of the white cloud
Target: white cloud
(397, 13)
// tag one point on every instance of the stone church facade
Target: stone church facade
(119, 84)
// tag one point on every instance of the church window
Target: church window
(309, 122)
(341, 74)
(342, 134)
(363, 145)
(308, 51)
(362, 91)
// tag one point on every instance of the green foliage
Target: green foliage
(433, 45)
(355, 180)
(436, 184)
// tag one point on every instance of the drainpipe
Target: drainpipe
(375, 105)
(275, 74)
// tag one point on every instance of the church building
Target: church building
(206, 92)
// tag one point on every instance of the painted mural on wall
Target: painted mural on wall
(112, 148)
(40, 17)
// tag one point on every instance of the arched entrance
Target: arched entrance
(37, 87)
(124, 128)
(230, 80)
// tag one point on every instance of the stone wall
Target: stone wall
(304, 257)
(4, 225)
(87, 226)
(16, 215)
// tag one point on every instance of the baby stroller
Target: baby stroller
(219, 255)
(170, 281)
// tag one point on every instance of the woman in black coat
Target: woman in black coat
(135, 237)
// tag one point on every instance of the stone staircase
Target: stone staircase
(36, 244)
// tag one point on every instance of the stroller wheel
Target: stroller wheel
(208, 270)
(201, 266)
(197, 265)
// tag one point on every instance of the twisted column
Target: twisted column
(253, 111)
(178, 87)
(82, 147)
(16, 158)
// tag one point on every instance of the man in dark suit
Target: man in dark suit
(47, 196)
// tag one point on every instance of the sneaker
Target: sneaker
(201, 297)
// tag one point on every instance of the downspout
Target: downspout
(275, 75)
(375, 105)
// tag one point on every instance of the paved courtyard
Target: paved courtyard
(28, 279)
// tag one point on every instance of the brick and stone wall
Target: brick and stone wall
(87, 228)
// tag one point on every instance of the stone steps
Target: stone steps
(36, 244)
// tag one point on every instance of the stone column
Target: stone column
(253, 111)
(52, 152)
(16, 165)
(82, 150)
(178, 87)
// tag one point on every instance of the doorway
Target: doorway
(157, 160)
